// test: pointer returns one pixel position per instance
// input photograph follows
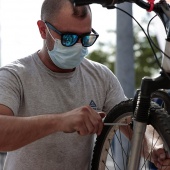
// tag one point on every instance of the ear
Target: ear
(42, 28)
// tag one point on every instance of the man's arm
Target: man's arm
(20, 131)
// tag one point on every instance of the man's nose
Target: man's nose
(79, 40)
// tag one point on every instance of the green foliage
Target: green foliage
(102, 57)
(145, 63)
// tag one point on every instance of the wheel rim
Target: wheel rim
(107, 159)
(115, 153)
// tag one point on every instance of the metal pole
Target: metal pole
(124, 65)
(124, 51)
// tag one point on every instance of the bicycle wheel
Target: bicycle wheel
(162, 98)
(112, 147)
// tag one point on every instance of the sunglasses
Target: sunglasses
(69, 39)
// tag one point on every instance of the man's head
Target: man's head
(51, 7)
(65, 17)
(59, 17)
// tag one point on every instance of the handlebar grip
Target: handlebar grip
(102, 2)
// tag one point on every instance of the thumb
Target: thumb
(102, 114)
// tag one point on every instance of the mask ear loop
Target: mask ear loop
(50, 35)
(49, 32)
(46, 46)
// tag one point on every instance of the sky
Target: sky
(19, 32)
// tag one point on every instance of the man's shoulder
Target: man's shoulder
(20, 64)
(22, 61)
(93, 64)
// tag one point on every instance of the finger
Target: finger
(92, 124)
(166, 163)
(102, 114)
(89, 125)
(164, 168)
(94, 118)
(83, 130)
(162, 156)
(163, 165)
(94, 121)
(101, 124)
(160, 153)
(159, 160)
(91, 121)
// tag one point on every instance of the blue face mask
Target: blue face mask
(67, 57)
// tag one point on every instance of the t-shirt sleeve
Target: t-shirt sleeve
(10, 90)
(114, 92)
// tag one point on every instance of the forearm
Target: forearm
(20, 131)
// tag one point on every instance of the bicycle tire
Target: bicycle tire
(103, 152)
(164, 97)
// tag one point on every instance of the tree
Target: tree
(103, 57)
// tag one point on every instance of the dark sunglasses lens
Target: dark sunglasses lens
(69, 39)
(88, 40)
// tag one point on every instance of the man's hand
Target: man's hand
(161, 159)
(84, 120)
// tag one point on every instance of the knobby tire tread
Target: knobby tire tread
(164, 96)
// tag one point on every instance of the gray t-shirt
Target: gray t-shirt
(29, 88)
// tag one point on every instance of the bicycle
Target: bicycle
(130, 118)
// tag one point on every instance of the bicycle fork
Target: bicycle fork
(137, 139)
(139, 124)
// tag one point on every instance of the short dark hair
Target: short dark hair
(51, 7)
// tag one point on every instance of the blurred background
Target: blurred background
(122, 45)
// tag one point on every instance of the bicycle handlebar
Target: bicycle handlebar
(162, 9)
(111, 3)
(104, 3)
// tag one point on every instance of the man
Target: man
(53, 101)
